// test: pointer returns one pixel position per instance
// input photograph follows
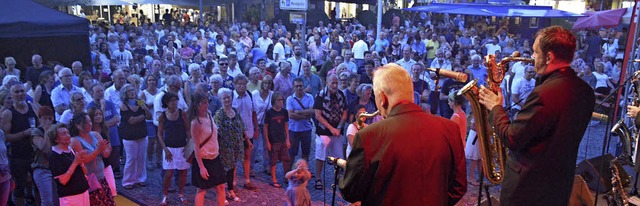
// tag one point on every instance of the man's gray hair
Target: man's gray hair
(476, 57)
(394, 81)
(63, 70)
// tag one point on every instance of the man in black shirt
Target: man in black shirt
(167, 17)
(17, 122)
(33, 72)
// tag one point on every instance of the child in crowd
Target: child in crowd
(297, 193)
(276, 136)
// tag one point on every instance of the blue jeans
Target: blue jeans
(48, 190)
(300, 140)
(260, 148)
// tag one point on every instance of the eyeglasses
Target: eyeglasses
(79, 99)
(224, 64)
(298, 86)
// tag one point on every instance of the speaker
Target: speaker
(596, 181)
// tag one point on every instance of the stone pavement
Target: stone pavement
(591, 146)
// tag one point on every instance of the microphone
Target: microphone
(599, 117)
(337, 161)
(460, 77)
(636, 60)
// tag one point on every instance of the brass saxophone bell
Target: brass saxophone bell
(364, 116)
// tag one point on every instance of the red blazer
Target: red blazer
(409, 158)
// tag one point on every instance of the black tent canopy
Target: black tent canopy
(28, 28)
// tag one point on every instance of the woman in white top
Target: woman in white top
(154, 149)
(603, 81)
(78, 104)
(352, 129)
(221, 49)
(262, 102)
(195, 77)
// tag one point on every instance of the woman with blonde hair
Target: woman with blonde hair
(11, 69)
(262, 103)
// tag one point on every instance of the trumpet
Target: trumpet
(364, 116)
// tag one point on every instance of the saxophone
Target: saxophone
(617, 196)
(364, 116)
(626, 139)
(491, 148)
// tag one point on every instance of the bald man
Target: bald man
(33, 72)
(395, 161)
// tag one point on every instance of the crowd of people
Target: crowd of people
(239, 93)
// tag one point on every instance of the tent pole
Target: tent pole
(379, 24)
(201, 11)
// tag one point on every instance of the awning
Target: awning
(370, 2)
(494, 10)
(52, 3)
(183, 2)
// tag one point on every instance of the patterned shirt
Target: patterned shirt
(332, 107)
(230, 138)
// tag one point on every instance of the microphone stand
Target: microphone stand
(436, 92)
(480, 188)
(334, 186)
(607, 137)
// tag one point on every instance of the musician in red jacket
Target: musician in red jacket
(410, 157)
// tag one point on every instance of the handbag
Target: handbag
(189, 149)
(111, 181)
(94, 184)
